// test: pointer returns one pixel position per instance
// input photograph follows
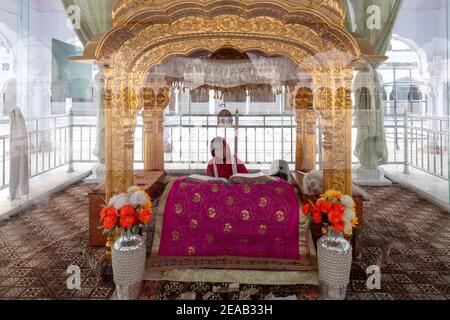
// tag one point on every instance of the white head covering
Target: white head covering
(217, 148)
(18, 170)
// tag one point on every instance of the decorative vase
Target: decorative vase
(317, 232)
(335, 261)
(128, 261)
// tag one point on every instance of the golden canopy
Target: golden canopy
(130, 17)
(333, 10)
(146, 33)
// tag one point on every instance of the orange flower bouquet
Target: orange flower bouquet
(334, 209)
(127, 212)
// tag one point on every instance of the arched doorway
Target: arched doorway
(232, 80)
(8, 82)
(311, 35)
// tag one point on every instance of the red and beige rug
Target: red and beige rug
(37, 247)
(407, 236)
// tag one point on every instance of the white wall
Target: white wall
(422, 25)
(41, 22)
(8, 30)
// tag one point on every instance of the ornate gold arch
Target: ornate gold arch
(135, 45)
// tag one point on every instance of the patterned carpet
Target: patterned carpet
(407, 236)
(37, 247)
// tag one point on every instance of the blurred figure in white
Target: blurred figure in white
(18, 164)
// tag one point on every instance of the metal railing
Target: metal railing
(261, 139)
(56, 141)
(415, 139)
(427, 143)
(52, 144)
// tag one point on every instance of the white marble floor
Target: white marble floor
(41, 187)
(428, 186)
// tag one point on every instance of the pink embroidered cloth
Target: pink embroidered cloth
(213, 219)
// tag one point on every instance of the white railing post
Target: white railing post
(406, 138)
(70, 169)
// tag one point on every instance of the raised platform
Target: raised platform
(430, 187)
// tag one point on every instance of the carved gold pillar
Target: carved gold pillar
(119, 152)
(153, 128)
(129, 127)
(120, 124)
(149, 100)
(342, 149)
(306, 118)
(325, 103)
(108, 101)
(154, 140)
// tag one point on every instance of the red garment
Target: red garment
(225, 170)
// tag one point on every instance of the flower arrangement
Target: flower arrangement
(126, 211)
(335, 209)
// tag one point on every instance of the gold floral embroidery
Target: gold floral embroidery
(183, 185)
(209, 238)
(215, 188)
(212, 213)
(193, 224)
(197, 198)
(279, 241)
(262, 253)
(191, 251)
(245, 215)
(227, 228)
(262, 230)
(178, 208)
(247, 188)
(281, 216)
(279, 190)
(243, 240)
(176, 235)
(263, 202)
(230, 201)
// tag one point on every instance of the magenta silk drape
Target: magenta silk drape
(213, 219)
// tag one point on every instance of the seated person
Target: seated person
(223, 164)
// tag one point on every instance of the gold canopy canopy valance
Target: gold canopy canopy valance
(150, 33)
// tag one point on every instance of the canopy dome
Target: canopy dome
(332, 10)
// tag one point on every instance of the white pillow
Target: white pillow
(313, 185)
